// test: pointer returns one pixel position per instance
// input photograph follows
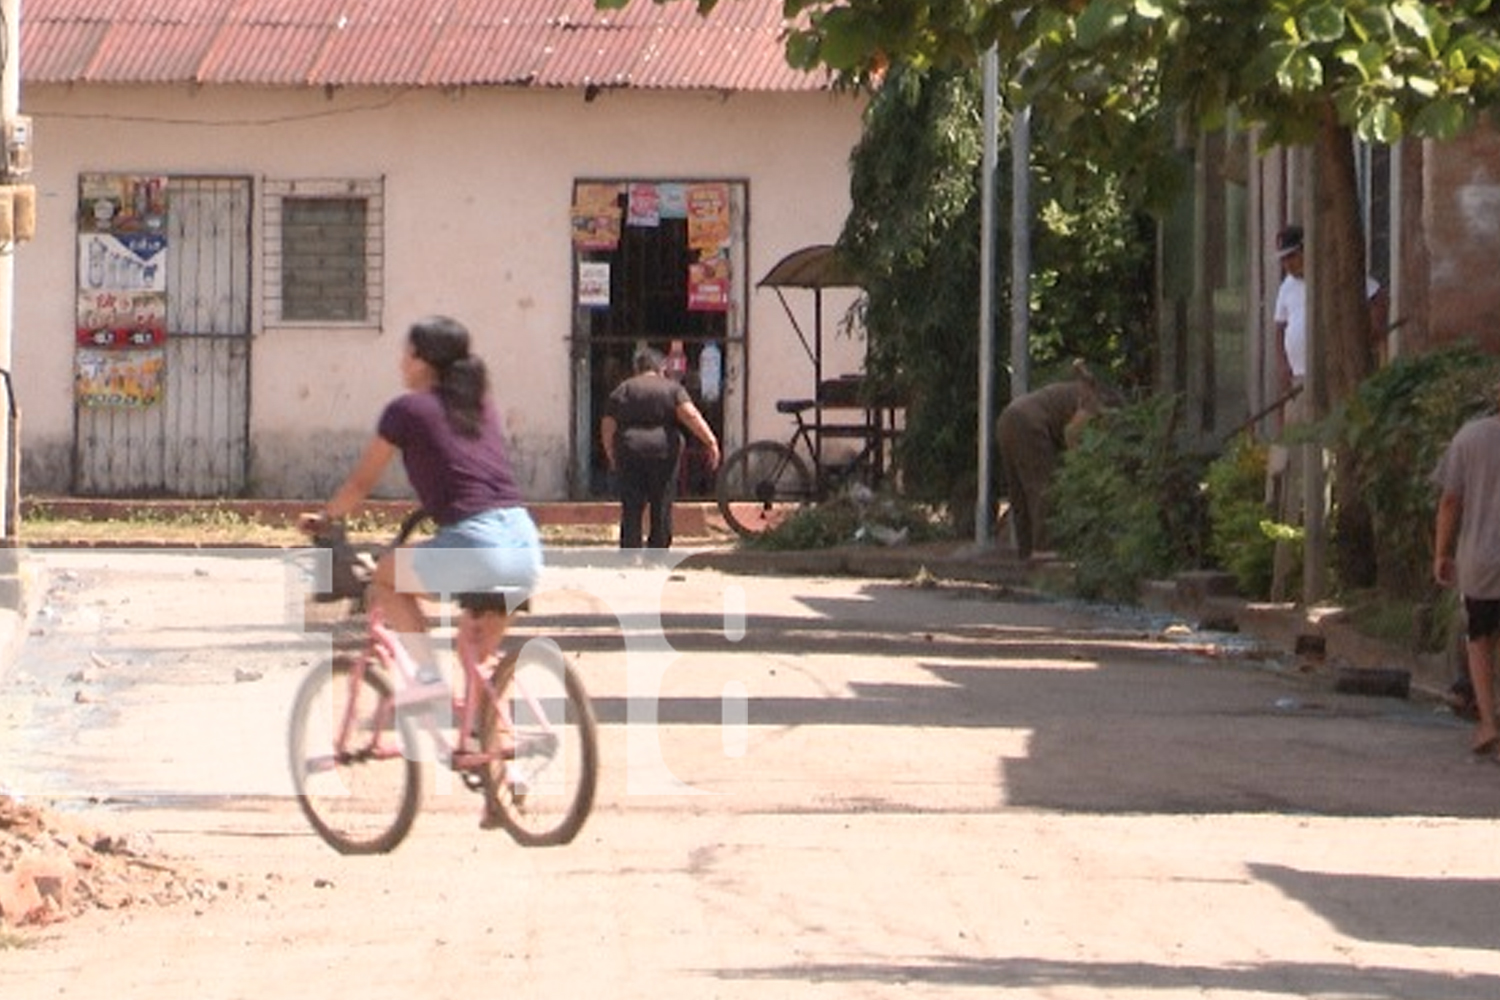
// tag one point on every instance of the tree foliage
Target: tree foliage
(913, 236)
(913, 233)
(1126, 506)
(1110, 74)
(1386, 68)
(1391, 67)
(1400, 421)
(1380, 68)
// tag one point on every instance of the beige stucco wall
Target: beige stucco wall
(477, 192)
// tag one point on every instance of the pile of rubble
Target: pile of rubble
(54, 867)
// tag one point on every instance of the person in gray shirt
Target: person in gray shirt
(1466, 555)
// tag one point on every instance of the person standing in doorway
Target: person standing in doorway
(1466, 554)
(1291, 312)
(642, 431)
(1291, 319)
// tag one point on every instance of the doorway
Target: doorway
(658, 264)
(162, 352)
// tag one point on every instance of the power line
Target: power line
(243, 123)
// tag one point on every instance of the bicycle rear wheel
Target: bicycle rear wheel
(761, 485)
(354, 782)
(541, 787)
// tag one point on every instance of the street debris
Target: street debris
(54, 867)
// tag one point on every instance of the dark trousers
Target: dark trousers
(647, 482)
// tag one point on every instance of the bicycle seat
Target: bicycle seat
(351, 568)
(494, 602)
(794, 405)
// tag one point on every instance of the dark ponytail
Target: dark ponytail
(462, 380)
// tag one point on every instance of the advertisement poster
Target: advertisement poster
(708, 216)
(597, 216)
(121, 203)
(126, 379)
(122, 320)
(603, 197)
(124, 262)
(708, 284)
(593, 284)
(671, 201)
(645, 207)
(594, 231)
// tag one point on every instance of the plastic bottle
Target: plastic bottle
(677, 362)
(710, 371)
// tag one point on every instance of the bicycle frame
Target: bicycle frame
(386, 649)
(530, 748)
(810, 436)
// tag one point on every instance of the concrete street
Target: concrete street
(813, 786)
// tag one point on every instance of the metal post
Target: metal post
(10, 107)
(982, 515)
(1395, 290)
(1020, 257)
(1314, 538)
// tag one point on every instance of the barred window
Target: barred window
(324, 252)
(323, 259)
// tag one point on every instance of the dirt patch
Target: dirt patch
(54, 867)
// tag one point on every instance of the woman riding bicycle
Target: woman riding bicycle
(448, 436)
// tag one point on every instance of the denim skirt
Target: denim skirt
(499, 551)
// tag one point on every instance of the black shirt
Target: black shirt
(645, 411)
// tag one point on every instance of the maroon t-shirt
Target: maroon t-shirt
(454, 476)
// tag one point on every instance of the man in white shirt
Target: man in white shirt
(1283, 482)
(1291, 309)
(1291, 316)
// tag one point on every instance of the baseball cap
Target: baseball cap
(1288, 241)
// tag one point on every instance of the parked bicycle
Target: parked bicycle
(765, 482)
(520, 730)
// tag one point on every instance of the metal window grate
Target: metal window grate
(324, 252)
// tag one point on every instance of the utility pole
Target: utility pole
(1020, 281)
(15, 164)
(983, 518)
(1314, 473)
(1020, 252)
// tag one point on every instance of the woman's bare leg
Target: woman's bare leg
(1482, 676)
(402, 611)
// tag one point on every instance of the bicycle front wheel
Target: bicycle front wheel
(354, 782)
(540, 726)
(761, 485)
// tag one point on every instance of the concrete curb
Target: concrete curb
(1321, 638)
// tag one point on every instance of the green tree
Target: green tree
(1307, 71)
(913, 233)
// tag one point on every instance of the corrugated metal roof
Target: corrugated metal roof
(409, 43)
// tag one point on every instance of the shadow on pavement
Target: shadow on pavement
(1263, 979)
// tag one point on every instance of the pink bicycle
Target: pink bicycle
(520, 731)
